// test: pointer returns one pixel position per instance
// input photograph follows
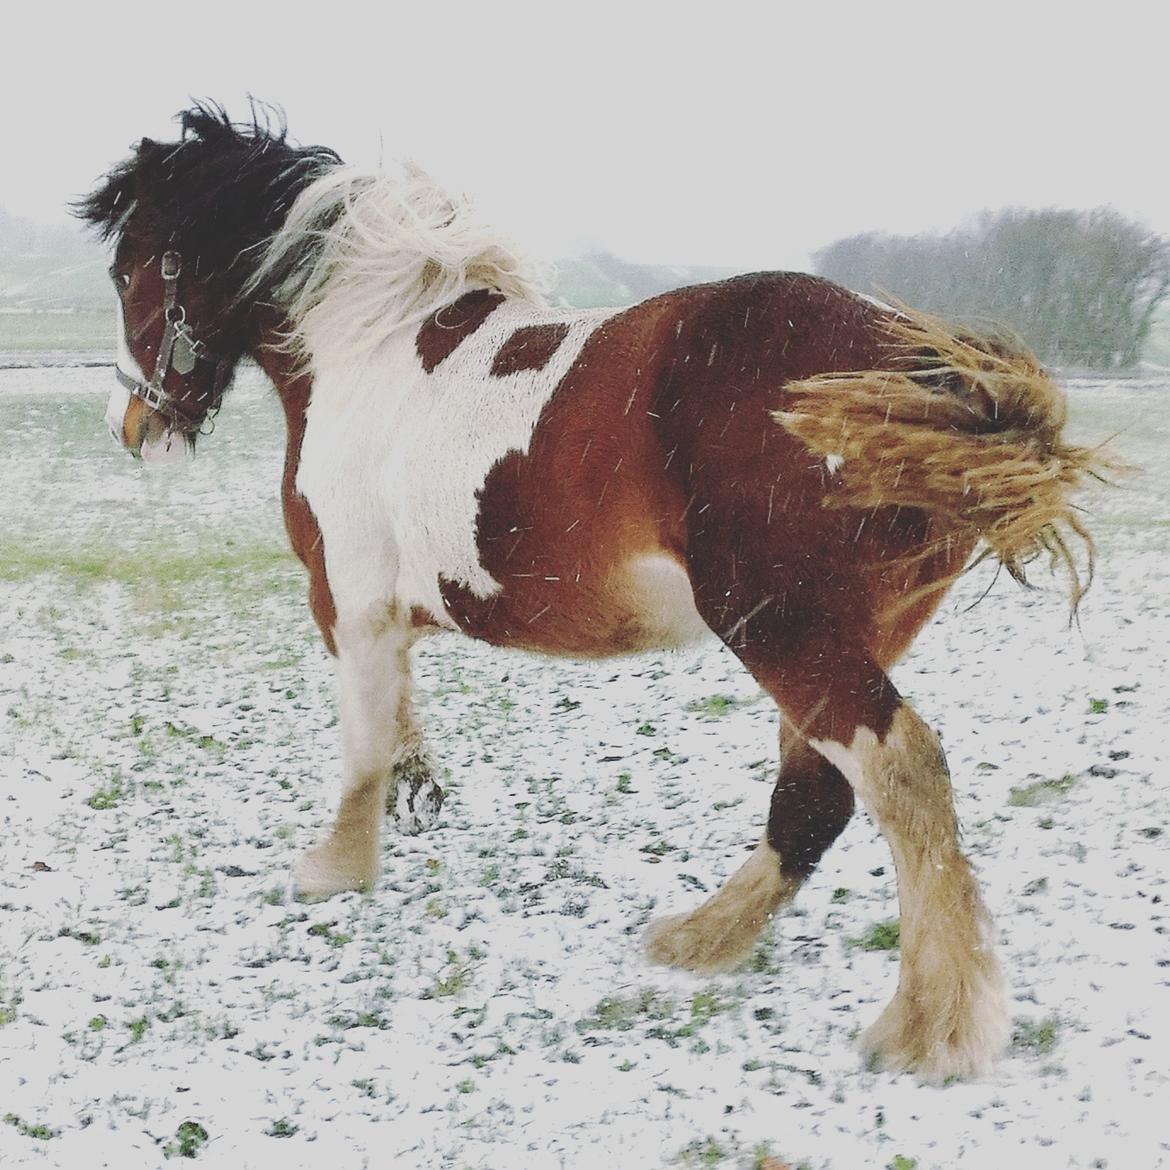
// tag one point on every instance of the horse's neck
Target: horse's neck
(293, 382)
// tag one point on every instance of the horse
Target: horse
(798, 469)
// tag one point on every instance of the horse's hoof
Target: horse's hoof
(321, 873)
(417, 798)
(687, 941)
(942, 1041)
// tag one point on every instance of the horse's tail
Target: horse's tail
(966, 428)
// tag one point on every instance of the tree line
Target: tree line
(1080, 287)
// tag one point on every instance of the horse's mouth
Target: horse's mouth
(168, 447)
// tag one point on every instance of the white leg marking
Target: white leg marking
(949, 1017)
(720, 934)
(373, 674)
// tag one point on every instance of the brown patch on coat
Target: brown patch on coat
(304, 533)
(660, 439)
(441, 334)
(529, 348)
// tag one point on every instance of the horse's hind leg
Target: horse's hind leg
(949, 1015)
(811, 804)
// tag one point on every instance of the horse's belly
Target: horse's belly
(642, 603)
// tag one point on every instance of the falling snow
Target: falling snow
(168, 745)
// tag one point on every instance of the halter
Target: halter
(178, 350)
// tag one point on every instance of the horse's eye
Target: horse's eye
(121, 280)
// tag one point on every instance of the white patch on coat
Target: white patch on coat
(850, 760)
(660, 592)
(416, 449)
(834, 463)
(120, 397)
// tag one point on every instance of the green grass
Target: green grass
(41, 1133)
(1041, 792)
(190, 1138)
(168, 573)
(83, 332)
(617, 1013)
(715, 706)
(1036, 1037)
(885, 936)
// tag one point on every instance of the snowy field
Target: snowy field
(167, 745)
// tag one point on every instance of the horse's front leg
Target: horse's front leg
(373, 675)
(413, 796)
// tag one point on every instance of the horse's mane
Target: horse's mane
(218, 194)
(363, 255)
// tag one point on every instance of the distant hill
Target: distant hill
(601, 279)
(50, 267)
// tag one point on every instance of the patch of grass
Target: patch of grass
(1041, 792)
(164, 578)
(901, 1162)
(1098, 706)
(705, 1152)
(615, 1013)
(42, 1133)
(706, 1005)
(334, 938)
(715, 706)
(190, 1138)
(658, 848)
(454, 978)
(1036, 1037)
(88, 937)
(885, 936)
(282, 1128)
(109, 795)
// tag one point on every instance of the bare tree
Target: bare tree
(1081, 287)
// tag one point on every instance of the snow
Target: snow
(167, 747)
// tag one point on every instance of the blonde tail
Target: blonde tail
(965, 428)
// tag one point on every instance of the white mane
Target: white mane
(363, 255)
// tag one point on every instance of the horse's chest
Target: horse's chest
(393, 466)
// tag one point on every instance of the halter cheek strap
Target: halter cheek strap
(178, 349)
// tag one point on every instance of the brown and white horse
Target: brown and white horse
(772, 458)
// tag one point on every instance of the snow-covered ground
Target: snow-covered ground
(167, 745)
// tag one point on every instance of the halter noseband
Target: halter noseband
(179, 349)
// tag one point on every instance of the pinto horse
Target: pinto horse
(772, 458)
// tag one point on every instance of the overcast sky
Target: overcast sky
(727, 134)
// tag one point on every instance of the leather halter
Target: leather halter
(177, 336)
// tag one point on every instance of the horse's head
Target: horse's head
(189, 221)
(177, 348)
